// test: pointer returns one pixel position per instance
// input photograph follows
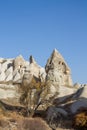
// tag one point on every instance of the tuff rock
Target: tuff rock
(59, 75)
(57, 70)
(17, 72)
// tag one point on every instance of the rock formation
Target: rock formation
(57, 70)
(18, 72)
(14, 73)
(80, 99)
(59, 74)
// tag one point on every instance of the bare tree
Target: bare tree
(35, 94)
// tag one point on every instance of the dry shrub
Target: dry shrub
(3, 123)
(32, 124)
(8, 120)
(80, 121)
(15, 115)
(14, 121)
(2, 114)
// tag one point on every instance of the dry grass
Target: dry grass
(14, 121)
(32, 124)
(80, 121)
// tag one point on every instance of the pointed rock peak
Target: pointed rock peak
(20, 56)
(19, 59)
(56, 61)
(32, 60)
(55, 50)
(18, 62)
(55, 53)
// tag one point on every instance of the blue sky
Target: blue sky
(38, 26)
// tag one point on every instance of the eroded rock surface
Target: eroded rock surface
(14, 73)
(18, 72)
(59, 75)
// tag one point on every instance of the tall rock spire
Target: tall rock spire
(58, 70)
(32, 60)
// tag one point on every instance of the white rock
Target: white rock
(84, 92)
(2, 76)
(10, 93)
(9, 74)
(42, 74)
(4, 66)
(57, 70)
(16, 76)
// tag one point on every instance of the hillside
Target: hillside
(29, 90)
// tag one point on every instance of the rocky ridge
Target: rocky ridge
(15, 71)
(69, 97)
